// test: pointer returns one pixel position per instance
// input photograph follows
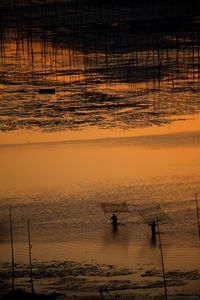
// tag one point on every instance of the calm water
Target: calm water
(60, 186)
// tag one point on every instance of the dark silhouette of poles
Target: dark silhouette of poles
(162, 258)
(198, 222)
(30, 257)
(12, 251)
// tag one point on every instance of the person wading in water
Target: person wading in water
(114, 221)
(153, 229)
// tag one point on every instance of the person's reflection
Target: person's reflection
(114, 230)
(153, 241)
(117, 238)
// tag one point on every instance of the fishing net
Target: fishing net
(147, 214)
(152, 214)
(115, 208)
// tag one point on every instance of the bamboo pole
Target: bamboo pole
(198, 221)
(12, 251)
(30, 257)
(162, 258)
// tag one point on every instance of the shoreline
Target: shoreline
(70, 280)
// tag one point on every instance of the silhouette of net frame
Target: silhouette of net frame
(152, 214)
(118, 208)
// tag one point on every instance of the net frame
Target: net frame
(152, 214)
(118, 208)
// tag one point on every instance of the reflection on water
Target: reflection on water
(116, 239)
(112, 65)
(153, 241)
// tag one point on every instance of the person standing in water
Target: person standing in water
(114, 221)
(153, 229)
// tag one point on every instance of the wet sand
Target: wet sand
(94, 281)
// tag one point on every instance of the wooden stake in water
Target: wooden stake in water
(198, 222)
(162, 258)
(12, 251)
(30, 257)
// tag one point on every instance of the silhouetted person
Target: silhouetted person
(153, 230)
(114, 221)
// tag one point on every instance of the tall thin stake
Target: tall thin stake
(30, 257)
(162, 258)
(198, 222)
(12, 251)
